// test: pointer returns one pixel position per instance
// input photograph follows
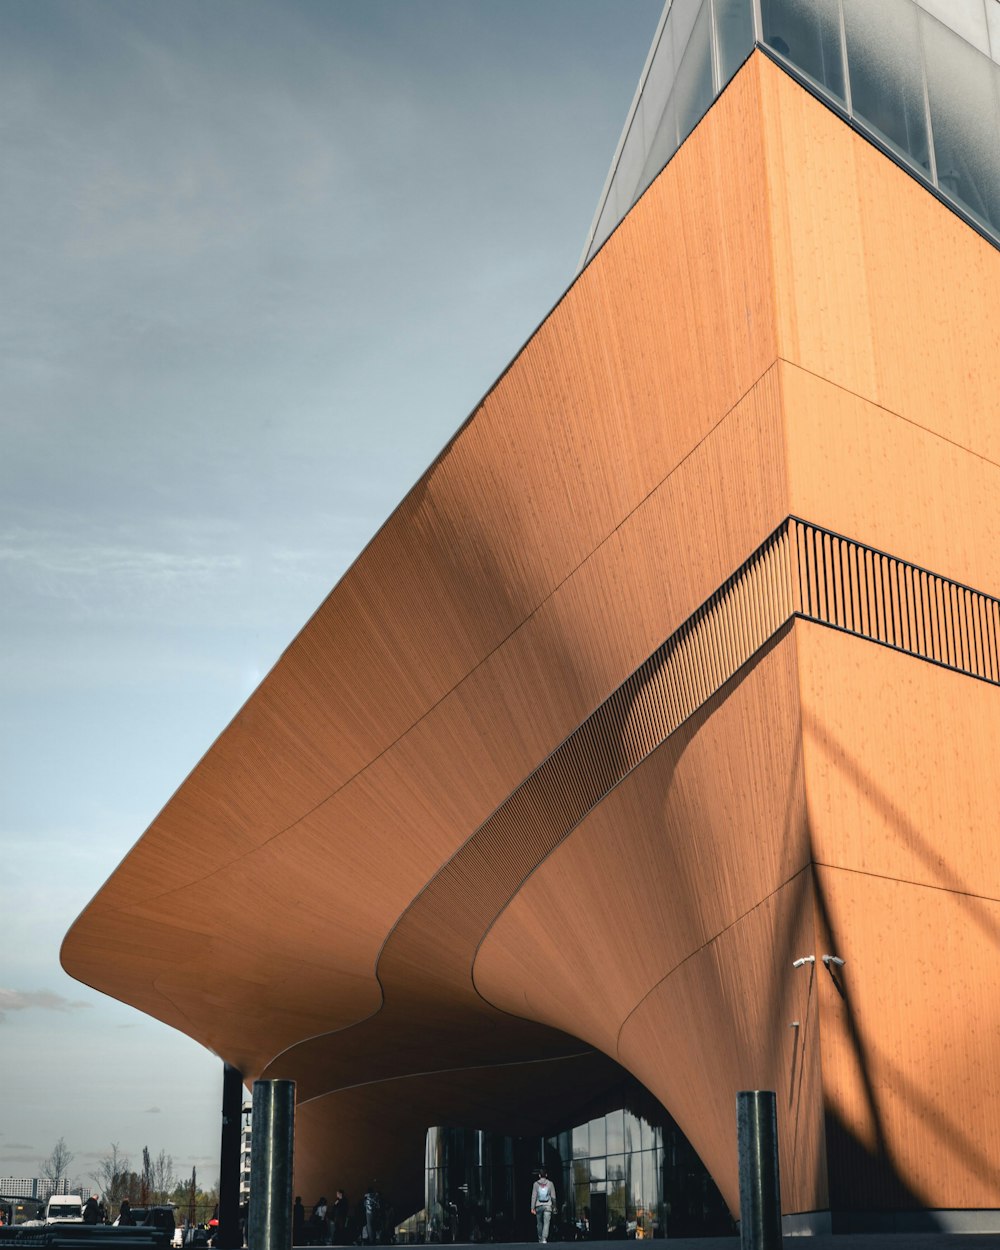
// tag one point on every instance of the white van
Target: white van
(64, 1209)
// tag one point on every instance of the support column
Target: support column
(229, 1236)
(760, 1189)
(271, 1165)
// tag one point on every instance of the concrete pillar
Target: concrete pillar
(760, 1189)
(271, 1165)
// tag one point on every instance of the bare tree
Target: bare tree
(114, 1177)
(163, 1177)
(56, 1167)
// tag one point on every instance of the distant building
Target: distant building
(245, 1153)
(37, 1187)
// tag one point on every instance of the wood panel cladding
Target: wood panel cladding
(880, 289)
(910, 1041)
(801, 570)
(784, 327)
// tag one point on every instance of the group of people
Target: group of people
(334, 1224)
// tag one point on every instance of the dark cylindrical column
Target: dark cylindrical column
(271, 1165)
(229, 1237)
(760, 1188)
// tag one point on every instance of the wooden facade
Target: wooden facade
(680, 663)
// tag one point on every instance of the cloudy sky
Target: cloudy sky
(260, 260)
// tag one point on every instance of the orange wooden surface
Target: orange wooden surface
(785, 324)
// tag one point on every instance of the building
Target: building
(38, 1187)
(246, 1140)
(654, 734)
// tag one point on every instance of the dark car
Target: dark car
(155, 1217)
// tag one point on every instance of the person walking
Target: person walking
(372, 1203)
(543, 1202)
(125, 1216)
(298, 1222)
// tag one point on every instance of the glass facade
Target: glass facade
(921, 78)
(621, 1174)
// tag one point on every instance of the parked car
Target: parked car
(155, 1217)
(64, 1209)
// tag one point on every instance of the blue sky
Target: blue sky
(260, 261)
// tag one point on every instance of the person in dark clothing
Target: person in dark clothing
(298, 1223)
(340, 1213)
(125, 1215)
(372, 1203)
(91, 1212)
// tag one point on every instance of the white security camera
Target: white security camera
(806, 959)
(833, 959)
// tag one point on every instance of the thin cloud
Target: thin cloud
(152, 1111)
(44, 1000)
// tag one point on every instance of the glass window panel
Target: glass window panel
(617, 1196)
(631, 161)
(611, 214)
(657, 1196)
(807, 33)
(633, 1137)
(966, 17)
(646, 1132)
(693, 93)
(659, 129)
(581, 1141)
(734, 31)
(885, 64)
(615, 1122)
(433, 1150)
(962, 88)
(565, 1146)
(634, 1165)
(598, 1137)
(663, 145)
(683, 18)
(647, 1188)
(993, 19)
(659, 80)
(598, 1169)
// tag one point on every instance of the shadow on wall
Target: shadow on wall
(431, 1021)
(869, 1177)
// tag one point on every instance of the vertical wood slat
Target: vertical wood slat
(877, 596)
(800, 570)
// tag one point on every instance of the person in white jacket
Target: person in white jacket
(543, 1203)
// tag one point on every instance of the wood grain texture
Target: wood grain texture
(421, 801)
(437, 675)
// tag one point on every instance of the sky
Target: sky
(260, 261)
